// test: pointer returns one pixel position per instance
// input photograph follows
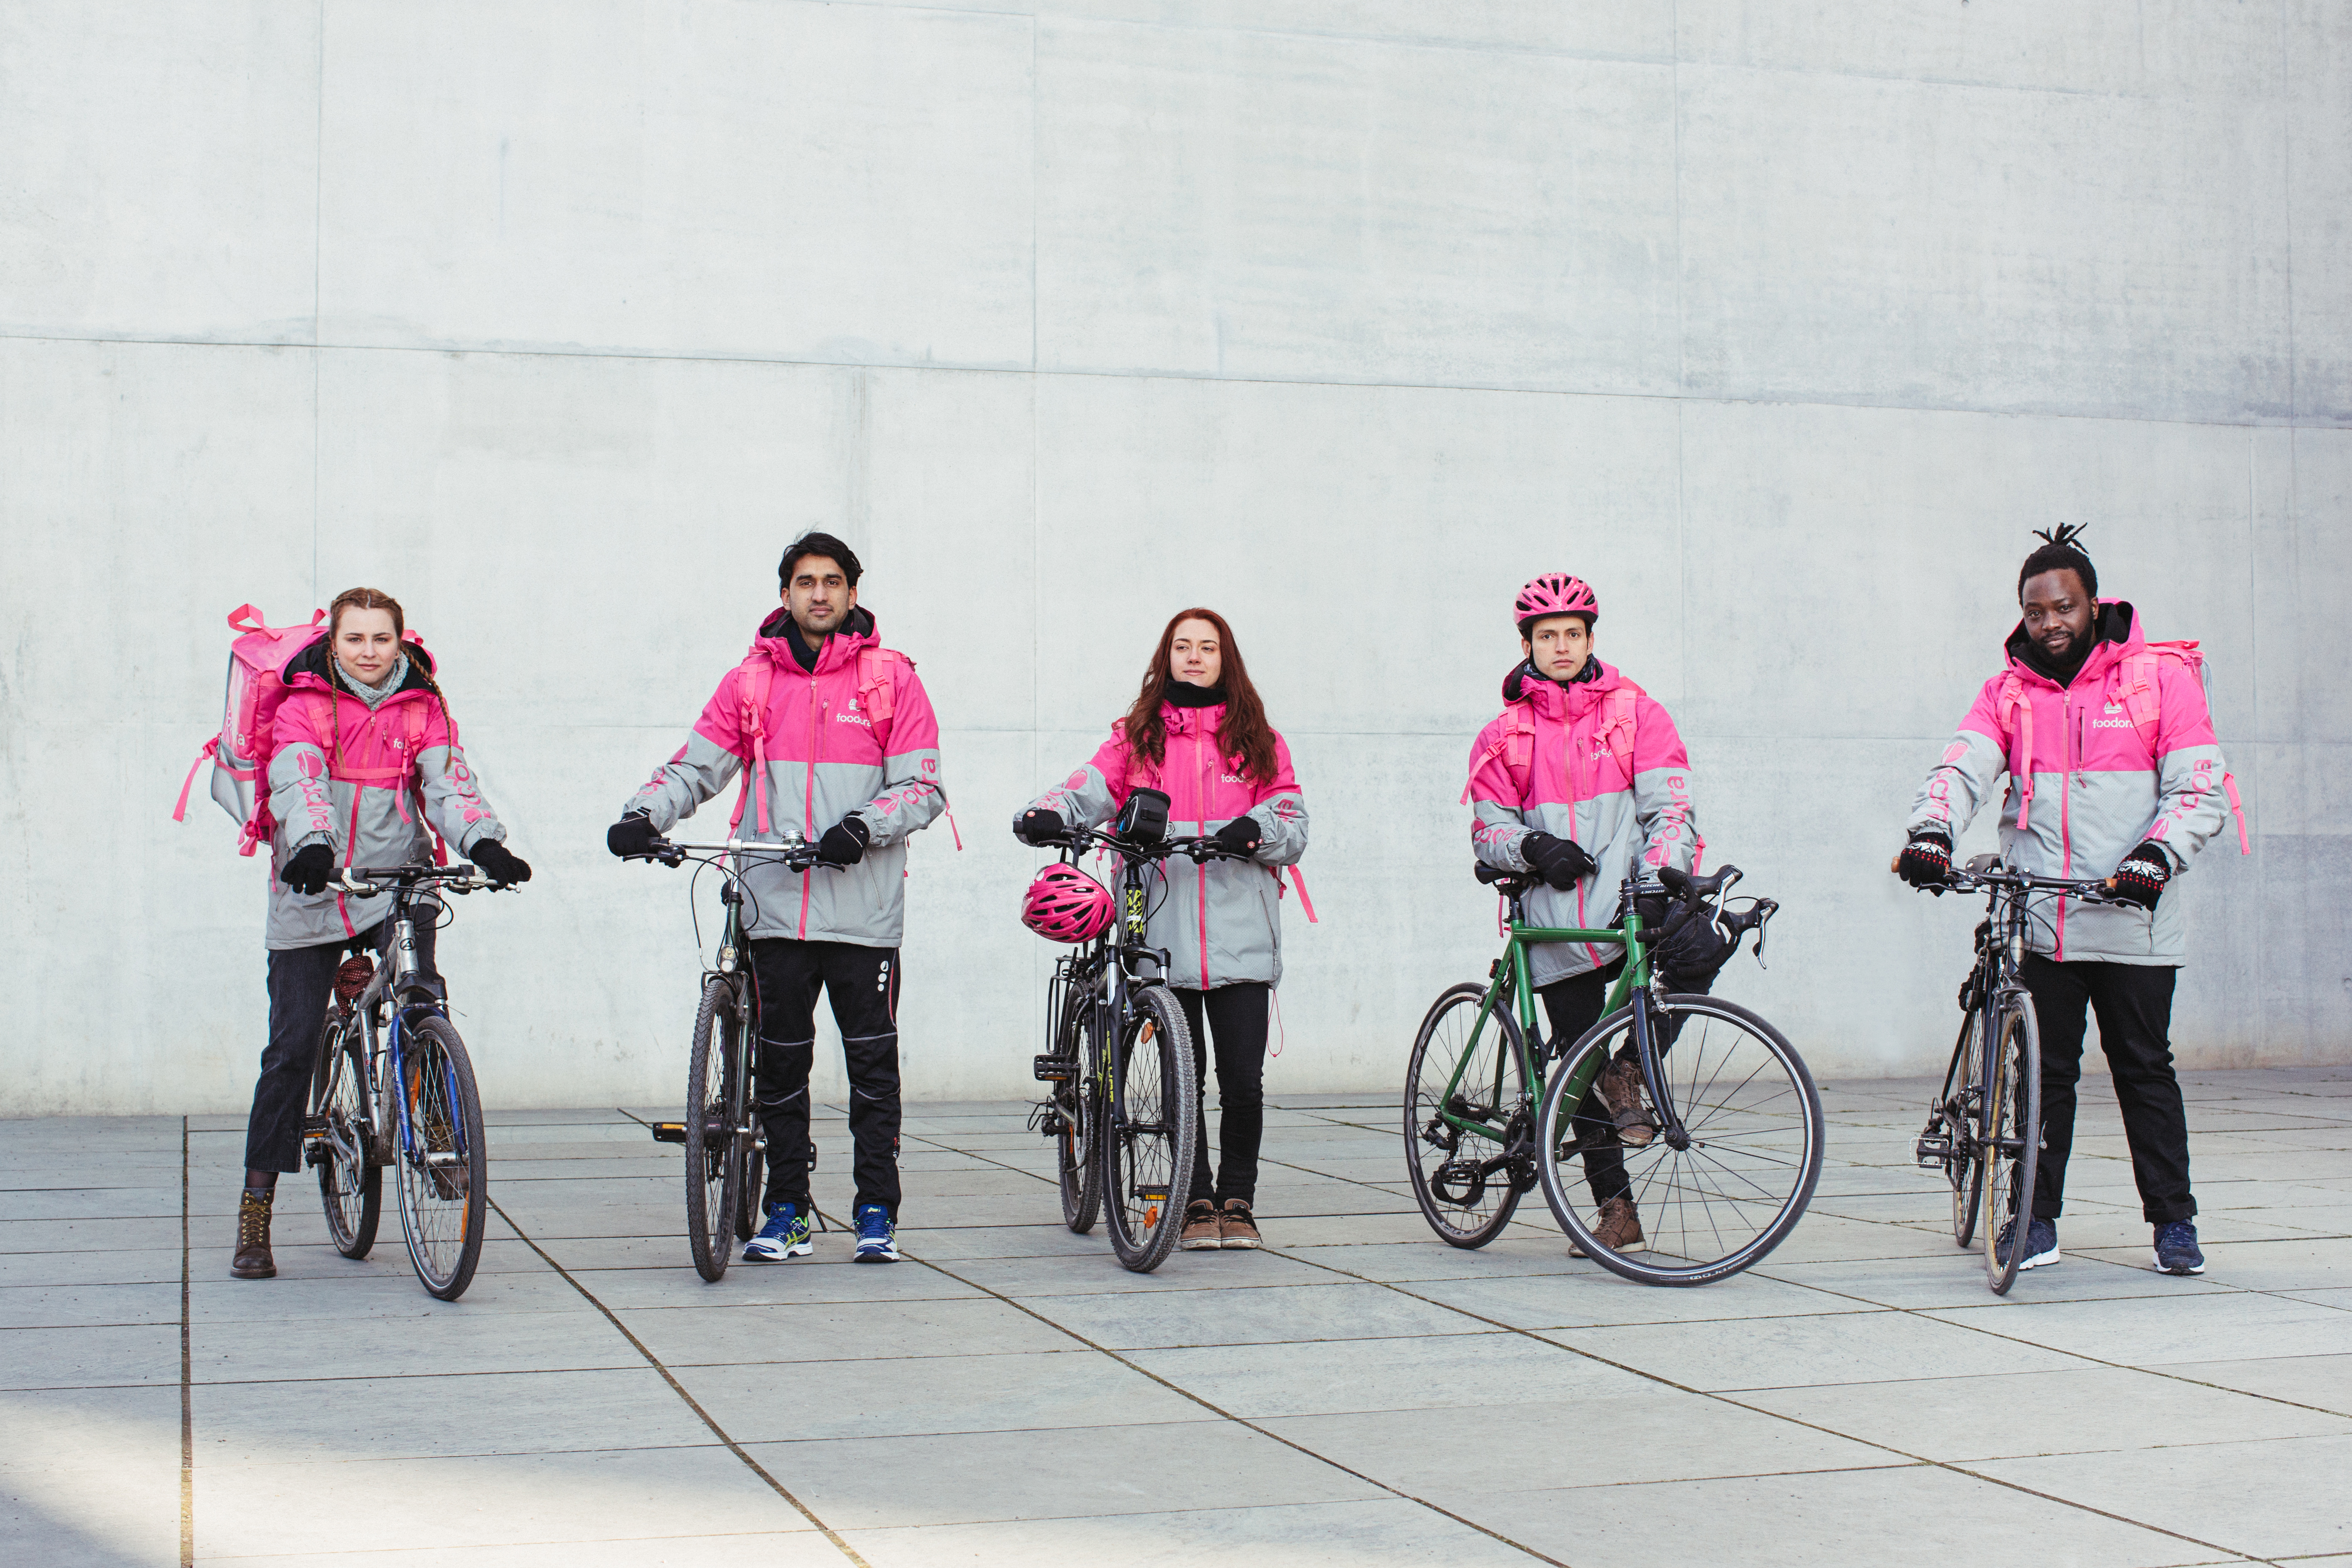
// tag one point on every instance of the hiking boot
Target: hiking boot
(1618, 1229)
(1235, 1224)
(2176, 1248)
(253, 1260)
(786, 1234)
(878, 1234)
(1203, 1231)
(1621, 1090)
(2040, 1244)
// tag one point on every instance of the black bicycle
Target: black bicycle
(1125, 1105)
(726, 1150)
(1984, 1127)
(393, 1086)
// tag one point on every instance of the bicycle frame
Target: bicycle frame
(390, 1128)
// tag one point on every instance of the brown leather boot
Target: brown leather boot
(1621, 1090)
(1618, 1229)
(253, 1260)
(1239, 1229)
(1202, 1232)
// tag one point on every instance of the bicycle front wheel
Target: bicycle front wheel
(1709, 1204)
(351, 1185)
(714, 1166)
(1458, 1099)
(443, 1168)
(1147, 1138)
(2012, 1136)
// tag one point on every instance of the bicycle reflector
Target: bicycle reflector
(1144, 818)
(1065, 904)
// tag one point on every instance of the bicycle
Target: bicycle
(1976, 1131)
(1124, 1122)
(726, 1149)
(1732, 1141)
(394, 1086)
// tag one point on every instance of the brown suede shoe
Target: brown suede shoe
(1202, 1231)
(253, 1260)
(1619, 1229)
(1240, 1230)
(1621, 1090)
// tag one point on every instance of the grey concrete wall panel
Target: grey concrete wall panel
(1781, 324)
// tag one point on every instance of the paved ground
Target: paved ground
(1357, 1395)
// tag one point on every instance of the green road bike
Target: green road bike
(1720, 1167)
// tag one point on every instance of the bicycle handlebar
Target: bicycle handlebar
(1202, 847)
(1977, 876)
(796, 854)
(362, 880)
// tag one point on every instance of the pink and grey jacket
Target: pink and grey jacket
(365, 784)
(1221, 921)
(1596, 761)
(825, 762)
(2087, 786)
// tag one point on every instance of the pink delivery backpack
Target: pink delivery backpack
(241, 752)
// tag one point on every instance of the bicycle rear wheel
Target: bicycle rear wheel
(1744, 1174)
(2011, 1135)
(1460, 1175)
(351, 1185)
(714, 1164)
(444, 1168)
(1147, 1137)
(1076, 1103)
(1964, 1166)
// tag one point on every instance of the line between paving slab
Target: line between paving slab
(187, 1403)
(679, 1389)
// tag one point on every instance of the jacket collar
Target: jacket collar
(2118, 635)
(308, 669)
(1556, 701)
(856, 634)
(1192, 721)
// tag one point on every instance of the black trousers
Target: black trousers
(301, 979)
(1573, 1005)
(863, 983)
(2134, 1005)
(1237, 1017)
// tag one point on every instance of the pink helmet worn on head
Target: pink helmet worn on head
(1555, 594)
(1065, 904)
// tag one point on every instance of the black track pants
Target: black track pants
(1573, 1005)
(2134, 1005)
(301, 979)
(1237, 1019)
(863, 983)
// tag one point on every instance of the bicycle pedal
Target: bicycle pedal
(1054, 1069)
(314, 1127)
(670, 1131)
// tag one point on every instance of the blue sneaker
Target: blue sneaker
(2040, 1244)
(786, 1234)
(2176, 1248)
(878, 1234)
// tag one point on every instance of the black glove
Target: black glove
(1561, 862)
(1241, 836)
(843, 843)
(1038, 825)
(1926, 861)
(502, 865)
(311, 868)
(1693, 951)
(632, 834)
(2142, 876)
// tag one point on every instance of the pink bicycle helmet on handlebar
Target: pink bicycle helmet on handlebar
(1555, 594)
(1065, 904)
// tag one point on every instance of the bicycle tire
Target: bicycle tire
(749, 1207)
(1453, 1194)
(1751, 1133)
(351, 1184)
(714, 1164)
(1964, 1167)
(1147, 1140)
(1078, 1104)
(445, 1113)
(2011, 1133)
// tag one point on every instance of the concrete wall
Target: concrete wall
(1781, 323)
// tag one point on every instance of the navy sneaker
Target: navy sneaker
(878, 1234)
(786, 1234)
(2040, 1244)
(2176, 1248)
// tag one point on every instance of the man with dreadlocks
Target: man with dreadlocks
(2115, 772)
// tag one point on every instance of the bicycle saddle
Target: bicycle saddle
(1507, 881)
(1686, 887)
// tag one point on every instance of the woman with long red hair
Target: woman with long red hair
(1198, 732)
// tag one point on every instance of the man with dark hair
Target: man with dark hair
(2115, 772)
(837, 745)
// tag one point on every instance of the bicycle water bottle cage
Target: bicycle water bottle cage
(1144, 818)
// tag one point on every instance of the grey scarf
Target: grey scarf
(373, 696)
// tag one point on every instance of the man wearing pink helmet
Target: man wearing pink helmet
(1581, 774)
